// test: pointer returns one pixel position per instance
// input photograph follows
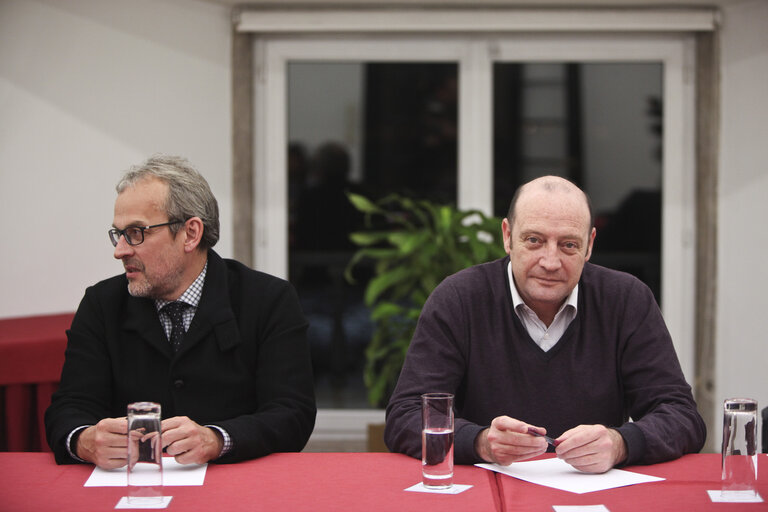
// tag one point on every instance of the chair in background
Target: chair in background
(31, 357)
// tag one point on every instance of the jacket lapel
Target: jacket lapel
(214, 312)
(142, 320)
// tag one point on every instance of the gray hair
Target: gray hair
(188, 193)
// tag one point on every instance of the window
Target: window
(493, 71)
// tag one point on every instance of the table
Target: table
(370, 482)
(31, 357)
(315, 482)
(685, 489)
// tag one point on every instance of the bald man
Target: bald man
(542, 340)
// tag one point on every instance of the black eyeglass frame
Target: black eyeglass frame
(115, 234)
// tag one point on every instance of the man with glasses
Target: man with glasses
(222, 348)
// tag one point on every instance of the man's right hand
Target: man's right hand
(507, 440)
(105, 444)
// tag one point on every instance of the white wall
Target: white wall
(742, 283)
(87, 89)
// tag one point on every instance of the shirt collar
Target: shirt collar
(191, 295)
(517, 300)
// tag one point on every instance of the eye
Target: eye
(570, 247)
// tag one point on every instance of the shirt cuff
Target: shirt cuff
(227, 447)
(73, 436)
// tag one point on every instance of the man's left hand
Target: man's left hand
(190, 443)
(592, 448)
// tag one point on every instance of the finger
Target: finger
(175, 422)
(576, 438)
(115, 454)
(112, 463)
(514, 447)
(175, 430)
(113, 439)
(111, 459)
(522, 441)
(518, 452)
(538, 430)
(590, 463)
(508, 458)
(114, 425)
(176, 448)
(109, 440)
(190, 457)
(178, 440)
(505, 423)
(169, 424)
(171, 436)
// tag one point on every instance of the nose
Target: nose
(550, 259)
(122, 249)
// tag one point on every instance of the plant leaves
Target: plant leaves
(415, 245)
(383, 281)
(363, 204)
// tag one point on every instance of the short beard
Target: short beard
(143, 289)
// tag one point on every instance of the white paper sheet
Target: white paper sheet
(123, 503)
(173, 474)
(560, 475)
(580, 508)
(718, 496)
(454, 489)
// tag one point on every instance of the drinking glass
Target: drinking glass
(739, 458)
(145, 453)
(437, 440)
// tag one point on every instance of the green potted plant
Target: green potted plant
(412, 245)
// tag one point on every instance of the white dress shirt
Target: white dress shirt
(545, 337)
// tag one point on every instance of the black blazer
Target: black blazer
(244, 363)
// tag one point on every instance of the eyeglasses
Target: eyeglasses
(134, 235)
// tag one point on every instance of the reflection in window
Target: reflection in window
(371, 128)
(598, 125)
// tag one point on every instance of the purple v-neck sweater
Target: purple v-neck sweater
(614, 362)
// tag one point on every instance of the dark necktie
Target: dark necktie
(175, 311)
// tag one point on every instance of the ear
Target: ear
(506, 234)
(589, 245)
(193, 233)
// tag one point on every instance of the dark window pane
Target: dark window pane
(598, 125)
(371, 128)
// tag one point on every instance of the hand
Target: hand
(507, 441)
(190, 443)
(105, 443)
(592, 448)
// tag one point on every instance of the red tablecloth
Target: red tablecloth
(685, 489)
(31, 357)
(370, 482)
(315, 482)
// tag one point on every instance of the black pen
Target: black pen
(553, 442)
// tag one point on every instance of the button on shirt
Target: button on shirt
(545, 337)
